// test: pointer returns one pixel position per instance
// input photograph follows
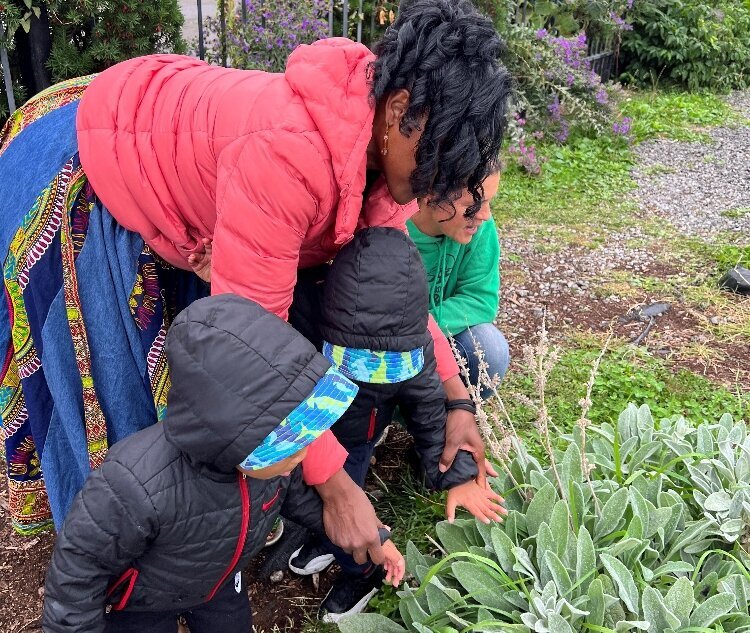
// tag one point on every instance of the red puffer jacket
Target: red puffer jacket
(271, 167)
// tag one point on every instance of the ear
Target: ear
(396, 105)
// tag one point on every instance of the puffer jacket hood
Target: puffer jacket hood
(271, 166)
(237, 371)
(376, 294)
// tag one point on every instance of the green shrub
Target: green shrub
(693, 43)
(633, 526)
(89, 36)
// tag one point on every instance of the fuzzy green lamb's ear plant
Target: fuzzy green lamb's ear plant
(637, 525)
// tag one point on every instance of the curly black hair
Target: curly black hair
(446, 54)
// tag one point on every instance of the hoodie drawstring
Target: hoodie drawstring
(438, 283)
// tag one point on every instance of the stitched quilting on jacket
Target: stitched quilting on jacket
(167, 519)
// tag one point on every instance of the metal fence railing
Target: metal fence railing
(340, 16)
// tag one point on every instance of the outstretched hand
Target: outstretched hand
(394, 564)
(483, 502)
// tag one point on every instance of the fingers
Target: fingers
(450, 509)
(395, 570)
(398, 574)
(490, 468)
(449, 454)
(491, 494)
(359, 554)
(481, 471)
(375, 551)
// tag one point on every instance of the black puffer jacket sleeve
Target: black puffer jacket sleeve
(422, 400)
(302, 504)
(91, 553)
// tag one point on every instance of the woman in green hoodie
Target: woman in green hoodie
(461, 252)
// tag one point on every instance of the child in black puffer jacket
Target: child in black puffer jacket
(176, 511)
(368, 312)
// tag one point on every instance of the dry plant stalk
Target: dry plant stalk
(494, 433)
(584, 422)
(540, 360)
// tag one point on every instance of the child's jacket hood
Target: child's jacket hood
(237, 371)
(376, 294)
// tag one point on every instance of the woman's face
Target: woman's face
(398, 163)
(454, 224)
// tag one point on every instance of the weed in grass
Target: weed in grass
(658, 170)
(736, 214)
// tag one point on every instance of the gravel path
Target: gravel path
(702, 188)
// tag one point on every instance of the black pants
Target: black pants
(228, 612)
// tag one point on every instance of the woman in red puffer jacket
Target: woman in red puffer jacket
(278, 170)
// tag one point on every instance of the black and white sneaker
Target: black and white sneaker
(350, 595)
(310, 559)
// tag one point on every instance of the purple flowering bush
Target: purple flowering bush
(557, 91)
(271, 31)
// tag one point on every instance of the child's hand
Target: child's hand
(483, 503)
(394, 564)
(200, 263)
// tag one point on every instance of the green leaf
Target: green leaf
(540, 508)
(503, 547)
(368, 622)
(635, 529)
(480, 583)
(585, 560)
(624, 545)
(560, 526)
(624, 581)
(523, 563)
(545, 542)
(656, 612)
(558, 624)
(437, 600)
(413, 558)
(658, 520)
(640, 509)
(679, 600)
(570, 470)
(454, 537)
(577, 505)
(713, 609)
(612, 514)
(559, 574)
(628, 625)
(597, 606)
(718, 502)
(672, 568)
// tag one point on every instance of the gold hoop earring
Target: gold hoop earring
(385, 140)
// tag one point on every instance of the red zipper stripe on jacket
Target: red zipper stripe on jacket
(371, 429)
(270, 502)
(130, 575)
(245, 496)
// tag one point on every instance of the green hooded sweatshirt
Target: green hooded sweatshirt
(464, 279)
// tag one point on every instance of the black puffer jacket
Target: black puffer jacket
(375, 297)
(167, 519)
